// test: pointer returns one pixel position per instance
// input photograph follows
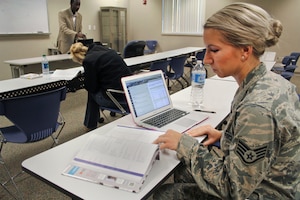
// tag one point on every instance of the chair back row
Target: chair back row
(176, 70)
(134, 48)
(137, 48)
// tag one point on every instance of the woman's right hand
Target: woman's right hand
(213, 135)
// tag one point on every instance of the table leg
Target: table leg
(17, 70)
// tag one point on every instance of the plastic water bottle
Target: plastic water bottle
(45, 65)
(198, 81)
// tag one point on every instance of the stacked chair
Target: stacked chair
(286, 61)
(288, 65)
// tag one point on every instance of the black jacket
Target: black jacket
(103, 69)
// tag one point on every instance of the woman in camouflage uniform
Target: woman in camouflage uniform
(260, 145)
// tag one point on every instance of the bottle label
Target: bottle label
(198, 78)
(45, 65)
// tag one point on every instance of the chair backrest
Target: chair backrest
(200, 55)
(134, 48)
(287, 60)
(151, 45)
(36, 114)
(160, 65)
(177, 65)
(296, 57)
(290, 68)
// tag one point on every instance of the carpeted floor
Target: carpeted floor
(73, 109)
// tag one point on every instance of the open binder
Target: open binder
(67, 74)
(121, 158)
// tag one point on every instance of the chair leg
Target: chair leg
(62, 125)
(113, 114)
(187, 82)
(182, 86)
(18, 194)
(104, 115)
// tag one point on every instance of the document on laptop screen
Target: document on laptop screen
(149, 96)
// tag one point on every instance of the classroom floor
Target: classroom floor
(73, 110)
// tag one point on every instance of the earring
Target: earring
(243, 57)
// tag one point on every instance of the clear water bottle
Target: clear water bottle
(45, 65)
(198, 81)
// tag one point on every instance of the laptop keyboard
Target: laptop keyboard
(166, 118)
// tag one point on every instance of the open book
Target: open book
(120, 158)
(31, 76)
(67, 74)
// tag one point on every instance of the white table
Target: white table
(161, 55)
(20, 86)
(17, 66)
(49, 165)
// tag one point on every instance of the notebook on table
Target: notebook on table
(151, 106)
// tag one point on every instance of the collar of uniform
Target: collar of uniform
(254, 75)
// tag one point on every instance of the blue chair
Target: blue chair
(296, 57)
(151, 46)
(287, 60)
(160, 65)
(134, 48)
(34, 117)
(191, 63)
(176, 70)
(288, 72)
(200, 55)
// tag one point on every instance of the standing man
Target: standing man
(70, 27)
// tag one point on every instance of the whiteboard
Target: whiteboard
(24, 17)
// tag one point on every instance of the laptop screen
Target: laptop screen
(147, 94)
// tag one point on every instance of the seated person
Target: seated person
(103, 69)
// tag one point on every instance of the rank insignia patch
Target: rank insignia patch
(248, 155)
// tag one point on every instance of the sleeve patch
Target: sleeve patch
(249, 156)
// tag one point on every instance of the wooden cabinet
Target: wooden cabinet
(113, 27)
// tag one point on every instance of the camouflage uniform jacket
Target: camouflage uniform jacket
(260, 145)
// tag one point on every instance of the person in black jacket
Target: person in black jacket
(103, 69)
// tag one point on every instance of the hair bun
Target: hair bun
(274, 35)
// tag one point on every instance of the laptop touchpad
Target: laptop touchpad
(186, 122)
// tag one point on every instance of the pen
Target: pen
(206, 111)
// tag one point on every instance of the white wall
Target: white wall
(144, 22)
(286, 11)
(17, 47)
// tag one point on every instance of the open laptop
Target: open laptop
(148, 97)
